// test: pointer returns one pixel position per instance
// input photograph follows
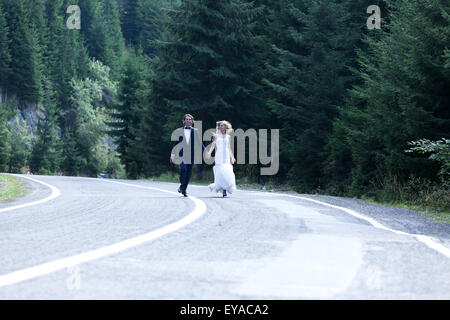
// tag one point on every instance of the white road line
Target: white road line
(43, 269)
(55, 193)
(429, 241)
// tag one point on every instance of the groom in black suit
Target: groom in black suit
(188, 139)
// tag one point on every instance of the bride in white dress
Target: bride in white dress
(224, 179)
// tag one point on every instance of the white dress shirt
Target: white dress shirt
(187, 134)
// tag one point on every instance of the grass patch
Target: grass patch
(10, 188)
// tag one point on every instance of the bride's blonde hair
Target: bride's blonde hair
(227, 125)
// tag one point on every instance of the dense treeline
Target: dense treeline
(347, 100)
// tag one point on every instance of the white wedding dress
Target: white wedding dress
(223, 169)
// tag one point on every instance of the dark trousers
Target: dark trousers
(185, 175)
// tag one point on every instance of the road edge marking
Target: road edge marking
(55, 193)
(59, 264)
(427, 240)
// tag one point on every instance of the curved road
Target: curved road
(117, 239)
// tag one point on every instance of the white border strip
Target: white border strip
(55, 193)
(420, 237)
(40, 270)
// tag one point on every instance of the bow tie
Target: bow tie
(187, 127)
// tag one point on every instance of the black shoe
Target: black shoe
(185, 194)
(224, 194)
(179, 190)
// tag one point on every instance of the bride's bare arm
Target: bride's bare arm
(233, 160)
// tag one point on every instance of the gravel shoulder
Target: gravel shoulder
(33, 192)
(401, 219)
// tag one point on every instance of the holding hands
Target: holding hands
(213, 145)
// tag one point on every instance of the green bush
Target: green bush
(440, 152)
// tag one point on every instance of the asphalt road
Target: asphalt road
(118, 239)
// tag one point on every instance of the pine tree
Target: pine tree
(149, 23)
(129, 19)
(143, 21)
(20, 138)
(45, 154)
(25, 68)
(37, 22)
(71, 160)
(115, 38)
(308, 77)
(5, 56)
(104, 36)
(128, 111)
(89, 11)
(282, 66)
(68, 60)
(403, 96)
(148, 149)
(54, 35)
(206, 66)
(5, 147)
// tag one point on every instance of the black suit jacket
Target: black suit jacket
(190, 152)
